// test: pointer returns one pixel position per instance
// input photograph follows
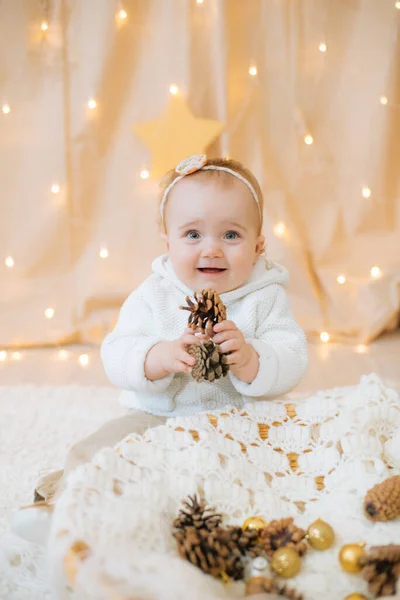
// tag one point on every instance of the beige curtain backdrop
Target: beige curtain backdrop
(50, 136)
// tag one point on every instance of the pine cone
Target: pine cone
(382, 502)
(206, 311)
(218, 552)
(197, 515)
(263, 585)
(283, 532)
(382, 569)
(210, 363)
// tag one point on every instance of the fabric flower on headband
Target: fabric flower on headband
(191, 164)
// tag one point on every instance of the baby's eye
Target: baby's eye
(231, 235)
(193, 235)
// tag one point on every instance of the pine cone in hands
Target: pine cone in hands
(382, 502)
(283, 532)
(218, 552)
(210, 363)
(382, 569)
(206, 311)
(198, 515)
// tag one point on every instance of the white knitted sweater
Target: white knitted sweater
(260, 308)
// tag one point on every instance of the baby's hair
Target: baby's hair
(221, 177)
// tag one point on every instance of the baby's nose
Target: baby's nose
(212, 250)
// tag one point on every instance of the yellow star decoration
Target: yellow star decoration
(176, 134)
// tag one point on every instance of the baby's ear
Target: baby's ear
(260, 244)
(164, 237)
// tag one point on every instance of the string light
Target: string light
(122, 14)
(144, 174)
(341, 279)
(322, 47)
(44, 26)
(63, 355)
(103, 253)
(376, 273)
(3, 355)
(173, 89)
(253, 71)
(366, 192)
(361, 349)
(55, 188)
(92, 103)
(325, 337)
(280, 229)
(84, 360)
(384, 100)
(5, 109)
(9, 262)
(309, 140)
(16, 355)
(49, 313)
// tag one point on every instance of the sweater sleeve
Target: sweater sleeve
(281, 347)
(124, 350)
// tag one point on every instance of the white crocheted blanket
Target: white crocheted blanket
(309, 458)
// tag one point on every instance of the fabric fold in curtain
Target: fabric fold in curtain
(331, 207)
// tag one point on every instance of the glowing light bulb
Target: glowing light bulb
(9, 262)
(384, 100)
(49, 313)
(16, 355)
(376, 273)
(309, 140)
(55, 188)
(280, 229)
(92, 103)
(5, 109)
(361, 349)
(253, 71)
(397, 5)
(63, 355)
(173, 89)
(341, 279)
(199, 1)
(123, 14)
(366, 192)
(103, 253)
(44, 26)
(84, 360)
(322, 47)
(144, 174)
(3, 355)
(325, 337)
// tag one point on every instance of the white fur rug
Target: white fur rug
(37, 426)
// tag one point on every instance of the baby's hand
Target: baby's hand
(231, 342)
(175, 357)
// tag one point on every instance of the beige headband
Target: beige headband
(199, 163)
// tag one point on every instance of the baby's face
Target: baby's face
(212, 233)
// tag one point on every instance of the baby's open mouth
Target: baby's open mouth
(211, 270)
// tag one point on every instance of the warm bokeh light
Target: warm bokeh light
(280, 229)
(376, 273)
(309, 140)
(9, 262)
(341, 279)
(325, 337)
(361, 349)
(63, 355)
(49, 313)
(3, 355)
(44, 26)
(84, 360)
(144, 174)
(122, 14)
(173, 88)
(55, 188)
(16, 355)
(366, 192)
(253, 70)
(322, 47)
(5, 109)
(103, 253)
(384, 100)
(92, 103)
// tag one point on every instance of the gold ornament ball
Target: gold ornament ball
(254, 524)
(349, 557)
(320, 535)
(355, 597)
(286, 562)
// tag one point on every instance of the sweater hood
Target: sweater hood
(265, 272)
